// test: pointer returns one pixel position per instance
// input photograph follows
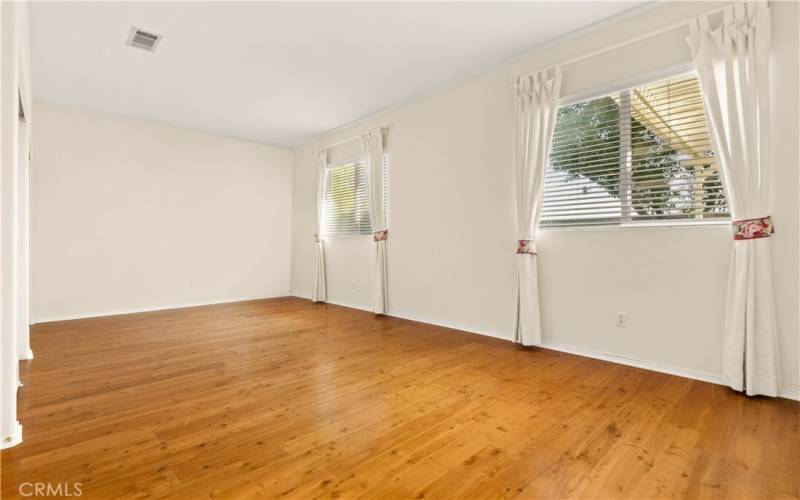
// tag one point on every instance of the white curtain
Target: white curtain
(733, 66)
(319, 293)
(536, 105)
(372, 155)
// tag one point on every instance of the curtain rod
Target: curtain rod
(352, 138)
(623, 43)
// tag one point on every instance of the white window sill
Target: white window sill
(345, 236)
(640, 225)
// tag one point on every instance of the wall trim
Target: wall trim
(636, 363)
(117, 312)
(463, 328)
(14, 439)
(654, 366)
(789, 394)
(578, 351)
(27, 355)
(412, 317)
(342, 303)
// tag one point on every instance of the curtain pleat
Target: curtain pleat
(319, 292)
(732, 63)
(535, 109)
(372, 154)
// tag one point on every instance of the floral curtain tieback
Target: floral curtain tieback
(526, 246)
(380, 235)
(749, 229)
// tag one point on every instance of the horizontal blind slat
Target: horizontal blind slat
(589, 187)
(637, 161)
(610, 141)
(636, 200)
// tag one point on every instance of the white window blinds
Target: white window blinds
(345, 207)
(638, 156)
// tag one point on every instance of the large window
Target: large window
(638, 156)
(345, 207)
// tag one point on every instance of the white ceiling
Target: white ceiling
(280, 73)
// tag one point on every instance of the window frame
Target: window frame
(613, 90)
(385, 187)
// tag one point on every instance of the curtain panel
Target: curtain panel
(732, 63)
(536, 103)
(319, 292)
(372, 154)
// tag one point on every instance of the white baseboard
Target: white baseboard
(14, 439)
(655, 366)
(117, 312)
(637, 363)
(412, 317)
(463, 328)
(789, 394)
(555, 346)
(351, 305)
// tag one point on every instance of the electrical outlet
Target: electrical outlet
(622, 320)
(353, 285)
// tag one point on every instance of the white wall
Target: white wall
(134, 215)
(14, 88)
(452, 237)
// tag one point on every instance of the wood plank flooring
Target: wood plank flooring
(283, 398)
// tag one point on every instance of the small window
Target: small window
(640, 156)
(345, 207)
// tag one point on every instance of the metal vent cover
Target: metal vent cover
(143, 39)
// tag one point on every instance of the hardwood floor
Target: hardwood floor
(282, 398)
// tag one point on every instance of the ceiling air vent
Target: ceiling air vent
(144, 39)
